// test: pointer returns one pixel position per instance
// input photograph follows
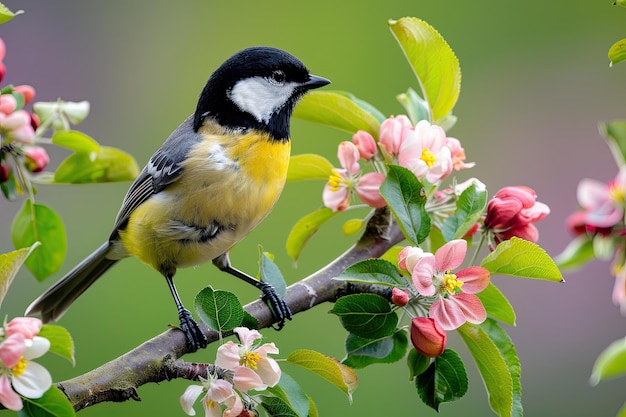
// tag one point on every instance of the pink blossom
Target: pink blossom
(456, 302)
(346, 180)
(35, 158)
(365, 143)
(511, 212)
(458, 155)
(3, 69)
(425, 152)
(217, 393)
(253, 368)
(27, 91)
(391, 133)
(29, 327)
(8, 397)
(428, 337)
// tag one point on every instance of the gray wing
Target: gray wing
(163, 168)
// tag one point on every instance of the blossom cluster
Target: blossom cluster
(600, 218)
(19, 375)
(424, 149)
(252, 369)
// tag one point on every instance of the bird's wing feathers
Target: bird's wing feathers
(163, 168)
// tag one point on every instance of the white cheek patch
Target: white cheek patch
(260, 97)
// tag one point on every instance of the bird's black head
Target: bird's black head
(256, 88)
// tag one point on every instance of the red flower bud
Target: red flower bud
(5, 172)
(36, 159)
(399, 297)
(428, 337)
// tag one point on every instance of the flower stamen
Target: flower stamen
(20, 367)
(451, 283)
(250, 359)
(428, 157)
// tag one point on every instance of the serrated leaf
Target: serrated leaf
(270, 273)
(375, 272)
(497, 305)
(308, 166)
(614, 133)
(610, 363)
(39, 223)
(108, 165)
(617, 52)
(521, 258)
(61, 342)
(364, 352)
(507, 349)
(403, 192)
(366, 315)
(277, 407)
(10, 264)
(328, 368)
(53, 403)
(304, 229)
(338, 109)
(433, 61)
(492, 367)
(220, 310)
(469, 209)
(289, 390)
(6, 14)
(444, 380)
(76, 141)
(417, 363)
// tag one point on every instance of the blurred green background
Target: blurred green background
(536, 82)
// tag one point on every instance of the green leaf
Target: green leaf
(521, 258)
(304, 229)
(288, 390)
(577, 253)
(61, 342)
(417, 363)
(39, 223)
(433, 61)
(11, 187)
(617, 52)
(277, 407)
(507, 349)
(6, 14)
(469, 209)
(328, 368)
(220, 310)
(76, 141)
(270, 273)
(109, 165)
(308, 166)
(610, 363)
(492, 367)
(340, 110)
(10, 264)
(444, 380)
(366, 315)
(415, 106)
(53, 403)
(364, 352)
(405, 195)
(497, 305)
(376, 272)
(615, 135)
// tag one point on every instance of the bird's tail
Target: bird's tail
(54, 302)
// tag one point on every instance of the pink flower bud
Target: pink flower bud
(391, 133)
(36, 159)
(27, 91)
(399, 297)
(27, 326)
(428, 337)
(365, 143)
(3, 71)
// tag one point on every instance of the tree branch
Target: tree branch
(156, 359)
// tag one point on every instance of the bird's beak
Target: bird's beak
(315, 82)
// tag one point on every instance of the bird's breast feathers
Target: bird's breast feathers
(228, 185)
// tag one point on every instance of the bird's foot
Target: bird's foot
(195, 337)
(278, 306)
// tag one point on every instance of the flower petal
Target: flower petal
(189, 397)
(8, 397)
(474, 278)
(368, 189)
(422, 275)
(36, 347)
(12, 349)
(348, 155)
(336, 200)
(228, 355)
(269, 371)
(247, 336)
(450, 256)
(472, 307)
(246, 379)
(447, 313)
(33, 382)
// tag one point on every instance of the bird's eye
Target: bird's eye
(279, 76)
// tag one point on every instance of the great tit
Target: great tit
(212, 181)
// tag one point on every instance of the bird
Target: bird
(212, 181)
